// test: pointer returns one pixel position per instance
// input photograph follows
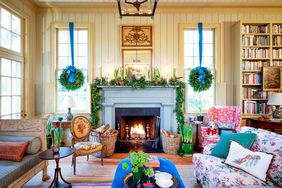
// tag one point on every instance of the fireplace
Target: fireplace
(139, 129)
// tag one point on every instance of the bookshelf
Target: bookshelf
(256, 44)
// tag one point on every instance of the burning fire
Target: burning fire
(137, 131)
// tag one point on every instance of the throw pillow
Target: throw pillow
(221, 148)
(13, 151)
(255, 163)
(226, 125)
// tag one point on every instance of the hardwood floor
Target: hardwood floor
(93, 167)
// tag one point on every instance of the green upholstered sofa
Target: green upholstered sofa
(15, 174)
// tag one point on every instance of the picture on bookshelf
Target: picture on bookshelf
(272, 78)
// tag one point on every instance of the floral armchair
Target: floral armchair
(223, 114)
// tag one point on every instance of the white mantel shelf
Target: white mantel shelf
(150, 97)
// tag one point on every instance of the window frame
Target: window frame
(217, 68)
(54, 55)
(12, 55)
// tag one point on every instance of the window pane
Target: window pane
(188, 37)
(64, 36)
(16, 69)
(188, 50)
(188, 62)
(208, 36)
(82, 62)
(196, 49)
(5, 38)
(16, 86)
(6, 86)
(16, 116)
(208, 50)
(82, 50)
(5, 105)
(64, 62)
(16, 105)
(63, 49)
(5, 19)
(16, 25)
(16, 42)
(82, 35)
(5, 67)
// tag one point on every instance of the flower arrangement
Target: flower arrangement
(200, 79)
(72, 78)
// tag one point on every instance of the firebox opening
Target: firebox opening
(137, 128)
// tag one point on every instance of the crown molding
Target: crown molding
(200, 7)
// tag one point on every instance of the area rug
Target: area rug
(91, 181)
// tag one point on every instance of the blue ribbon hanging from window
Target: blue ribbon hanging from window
(202, 74)
(71, 69)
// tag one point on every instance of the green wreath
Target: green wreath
(200, 79)
(77, 80)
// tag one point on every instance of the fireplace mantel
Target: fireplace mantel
(126, 97)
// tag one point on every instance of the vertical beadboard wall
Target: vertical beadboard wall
(107, 51)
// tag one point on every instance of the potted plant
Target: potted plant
(139, 170)
(57, 135)
(187, 139)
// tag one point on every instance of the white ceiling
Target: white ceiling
(173, 1)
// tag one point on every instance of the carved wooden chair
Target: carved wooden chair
(80, 129)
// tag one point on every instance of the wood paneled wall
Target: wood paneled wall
(107, 51)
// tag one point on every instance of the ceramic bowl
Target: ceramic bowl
(164, 183)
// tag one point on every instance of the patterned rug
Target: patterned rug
(91, 181)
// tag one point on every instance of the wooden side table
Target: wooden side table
(49, 155)
(274, 126)
(197, 142)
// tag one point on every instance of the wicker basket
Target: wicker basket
(170, 144)
(108, 142)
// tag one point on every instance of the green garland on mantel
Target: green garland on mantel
(141, 83)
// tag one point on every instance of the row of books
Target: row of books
(255, 40)
(255, 107)
(254, 65)
(254, 93)
(252, 78)
(277, 40)
(276, 63)
(276, 29)
(255, 53)
(277, 53)
(255, 29)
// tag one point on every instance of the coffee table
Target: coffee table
(49, 155)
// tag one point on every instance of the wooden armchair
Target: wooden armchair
(80, 129)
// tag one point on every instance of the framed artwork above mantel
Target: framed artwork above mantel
(136, 36)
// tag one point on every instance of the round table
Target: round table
(49, 155)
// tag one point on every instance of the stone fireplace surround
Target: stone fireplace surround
(151, 97)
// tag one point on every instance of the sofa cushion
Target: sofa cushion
(11, 171)
(34, 145)
(222, 146)
(13, 151)
(255, 163)
(269, 142)
(212, 172)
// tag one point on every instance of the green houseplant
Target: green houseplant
(139, 170)
(57, 134)
(186, 140)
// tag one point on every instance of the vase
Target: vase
(69, 115)
(187, 148)
(200, 118)
(137, 177)
(56, 149)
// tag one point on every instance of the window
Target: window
(11, 65)
(191, 60)
(81, 54)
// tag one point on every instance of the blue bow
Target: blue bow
(71, 72)
(202, 74)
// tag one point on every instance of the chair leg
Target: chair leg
(102, 161)
(87, 157)
(74, 165)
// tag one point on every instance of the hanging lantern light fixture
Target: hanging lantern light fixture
(137, 7)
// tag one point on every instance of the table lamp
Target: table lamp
(69, 103)
(275, 100)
